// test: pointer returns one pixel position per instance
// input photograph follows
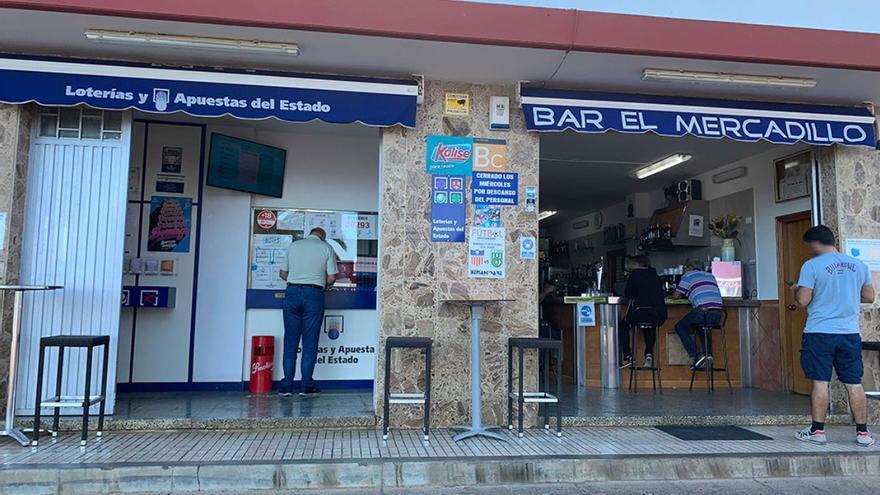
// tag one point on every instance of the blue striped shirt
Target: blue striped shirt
(701, 289)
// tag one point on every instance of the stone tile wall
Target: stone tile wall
(417, 274)
(15, 128)
(851, 207)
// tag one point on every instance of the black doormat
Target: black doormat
(690, 433)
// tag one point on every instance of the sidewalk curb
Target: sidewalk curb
(407, 473)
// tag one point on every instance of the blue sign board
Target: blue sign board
(148, 297)
(447, 208)
(450, 155)
(495, 188)
(591, 112)
(208, 93)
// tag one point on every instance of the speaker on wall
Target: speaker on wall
(688, 190)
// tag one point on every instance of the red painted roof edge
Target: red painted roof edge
(508, 25)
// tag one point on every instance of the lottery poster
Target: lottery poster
(170, 224)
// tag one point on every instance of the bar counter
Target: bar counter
(592, 352)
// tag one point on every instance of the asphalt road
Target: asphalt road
(784, 486)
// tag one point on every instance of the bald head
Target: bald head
(319, 232)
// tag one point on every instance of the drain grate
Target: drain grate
(693, 433)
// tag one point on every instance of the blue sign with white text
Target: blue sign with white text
(495, 188)
(206, 93)
(591, 112)
(447, 208)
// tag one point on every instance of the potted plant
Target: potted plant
(727, 228)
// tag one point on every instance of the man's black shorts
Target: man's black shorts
(820, 352)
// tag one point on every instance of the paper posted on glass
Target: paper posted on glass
(586, 314)
(270, 256)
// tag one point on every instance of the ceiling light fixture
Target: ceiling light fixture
(546, 214)
(661, 165)
(158, 39)
(725, 78)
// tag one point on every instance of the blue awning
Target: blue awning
(549, 110)
(208, 93)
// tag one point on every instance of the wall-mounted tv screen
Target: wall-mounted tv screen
(247, 166)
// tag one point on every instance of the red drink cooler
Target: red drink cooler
(262, 361)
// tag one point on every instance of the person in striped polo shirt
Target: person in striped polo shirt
(701, 289)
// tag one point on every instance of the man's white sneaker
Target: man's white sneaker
(864, 438)
(649, 361)
(808, 435)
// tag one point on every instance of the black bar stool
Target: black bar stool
(647, 319)
(542, 398)
(423, 398)
(705, 328)
(58, 401)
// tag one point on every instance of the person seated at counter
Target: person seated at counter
(701, 289)
(644, 289)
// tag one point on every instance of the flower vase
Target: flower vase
(728, 250)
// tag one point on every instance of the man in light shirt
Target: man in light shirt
(311, 267)
(831, 286)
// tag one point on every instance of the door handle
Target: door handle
(792, 307)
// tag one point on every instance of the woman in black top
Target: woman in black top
(644, 289)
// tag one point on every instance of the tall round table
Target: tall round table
(476, 428)
(9, 428)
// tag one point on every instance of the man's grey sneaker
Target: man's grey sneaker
(864, 438)
(700, 362)
(285, 393)
(626, 362)
(808, 435)
(649, 361)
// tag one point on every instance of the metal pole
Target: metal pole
(9, 426)
(580, 349)
(610, 368)
(476, 393)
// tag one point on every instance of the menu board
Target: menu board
(352, 235)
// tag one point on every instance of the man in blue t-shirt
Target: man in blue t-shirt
(831, 287)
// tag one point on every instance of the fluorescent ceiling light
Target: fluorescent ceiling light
(725, 78)
(661, 165)
(158, 39)
(546, 214)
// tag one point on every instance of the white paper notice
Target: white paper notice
(270, 255)
(290, 220)
(866, 250)
(486, 256)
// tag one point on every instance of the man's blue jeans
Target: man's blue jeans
(684, 327)
(303, 315)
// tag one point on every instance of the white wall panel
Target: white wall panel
(73, 236)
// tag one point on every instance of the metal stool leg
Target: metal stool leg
(709, 365)
(633, 376)
(41, 360)
(56, 416)
(87, 397)
(656, 357)
(544, 406)
(427, 391)
(386, 394)
(653, 358)
(509, 387)
(520, 399)
(559, 391)
(103, 405)
(726, 364)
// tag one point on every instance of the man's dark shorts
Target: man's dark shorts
(820, 352)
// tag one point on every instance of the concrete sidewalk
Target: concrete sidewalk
(193, 460)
